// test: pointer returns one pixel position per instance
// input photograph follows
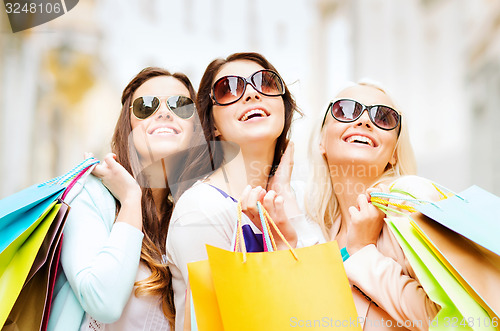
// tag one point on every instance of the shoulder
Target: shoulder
(90, 195)
(419, 187)
(203, 200)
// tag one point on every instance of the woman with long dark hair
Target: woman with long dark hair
(114, 275)
(246, 111)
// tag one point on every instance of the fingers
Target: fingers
(87, 155)
(354, 213)
(104, 168)
(249, 199)
(279, 205)
(110, 160)
(100, 170)
(287, 157)
(362, 202)
(281, 179)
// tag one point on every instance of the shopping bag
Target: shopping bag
(32, 307)
(208, 316)
(279, 290)
(15, 273)
(457, 211)
(458, 307)
(25, 220)
(474, 267)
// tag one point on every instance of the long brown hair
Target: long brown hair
(204, 105)
(155, 227)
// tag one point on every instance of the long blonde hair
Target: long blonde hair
(320, 200)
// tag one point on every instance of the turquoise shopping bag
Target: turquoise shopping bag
(20, 210)
(473, 213)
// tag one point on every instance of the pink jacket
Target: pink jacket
(386, 292)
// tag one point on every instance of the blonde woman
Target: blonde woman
(363, 145)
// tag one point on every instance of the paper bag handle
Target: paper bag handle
(266, 230)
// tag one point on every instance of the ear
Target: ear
(393, 160)
(216, 132)
(322, 149)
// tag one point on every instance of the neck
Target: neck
(250, 167)
(159, 195)
(156, 175)
(348, 185)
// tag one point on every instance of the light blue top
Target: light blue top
(99, 258)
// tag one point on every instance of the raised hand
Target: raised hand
(365, 225)
(280, 182)
(117, 179)
(275, 206)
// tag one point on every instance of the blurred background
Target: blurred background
(61, 82)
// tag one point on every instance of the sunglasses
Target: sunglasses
(145, 106)
(229, 89)
(346, 111)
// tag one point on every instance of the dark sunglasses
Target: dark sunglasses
(347, 110)
(145, 106)
(229, 89)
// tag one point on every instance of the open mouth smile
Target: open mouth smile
(253, 113)
(359, 139)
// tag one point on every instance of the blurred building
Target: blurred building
(60, 83)
(482, 86)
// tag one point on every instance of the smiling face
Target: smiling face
(162, 133)
(360, 143)
(255, 117)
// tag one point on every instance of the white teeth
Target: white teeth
(361, 139)
(252, 112)
(164, 131)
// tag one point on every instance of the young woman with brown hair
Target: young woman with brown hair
(246, 112)
(114, 275)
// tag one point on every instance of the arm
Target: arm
(378, 276)
(100, 258)
(195, 222)
(382, 279)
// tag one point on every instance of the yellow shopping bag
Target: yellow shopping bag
(280, 290)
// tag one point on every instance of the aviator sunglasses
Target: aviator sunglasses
(145, 106)
(347, 110)
(229, 89)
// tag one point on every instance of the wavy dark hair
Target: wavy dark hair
(155, 222)
(204, 105)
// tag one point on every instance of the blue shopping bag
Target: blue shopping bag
(473, 213)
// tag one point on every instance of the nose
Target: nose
(250, 93)
(364, 119)
(164, 111)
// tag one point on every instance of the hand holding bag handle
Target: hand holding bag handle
(280, 289)
(268, 238)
